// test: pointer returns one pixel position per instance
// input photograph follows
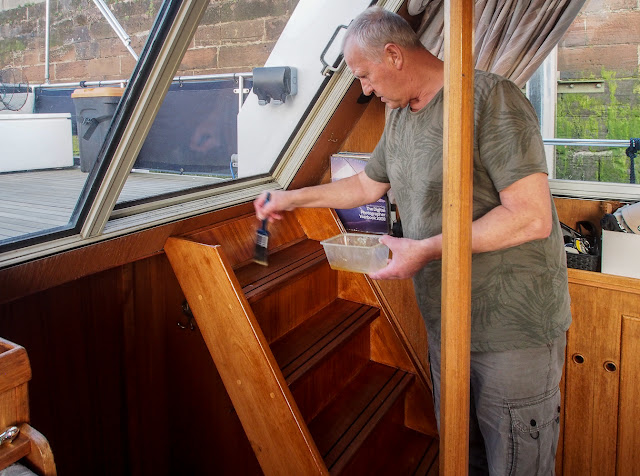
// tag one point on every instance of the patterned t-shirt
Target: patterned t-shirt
(519, 295)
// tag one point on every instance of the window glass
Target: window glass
(213, 125)
(59, 87)
(598, 92)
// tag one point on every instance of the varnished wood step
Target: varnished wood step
(395, 450)
(257, 280)
(344, 425)
(308, 344)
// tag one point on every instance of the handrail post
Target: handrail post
(456, 230)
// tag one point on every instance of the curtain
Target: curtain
(512, 37)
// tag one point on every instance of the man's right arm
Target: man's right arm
(349, 192)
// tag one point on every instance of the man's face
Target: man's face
(376, 77)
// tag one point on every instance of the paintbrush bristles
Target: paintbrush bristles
(261, 255)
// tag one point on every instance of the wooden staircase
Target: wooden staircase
(319, 379)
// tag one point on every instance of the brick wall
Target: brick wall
(605, 36)
(602, 44)
(234, 36)
(237, 35)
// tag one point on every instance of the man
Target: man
(520, 299)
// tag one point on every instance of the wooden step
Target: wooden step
(302, 257)
(395, 449)
(308, 344)
(341, 428)
(297, 283)
(325, 352)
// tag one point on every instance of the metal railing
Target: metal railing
(588, 142)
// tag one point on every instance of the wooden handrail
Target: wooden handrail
(456, 237)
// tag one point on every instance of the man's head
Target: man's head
(376, 48)
(374, 28)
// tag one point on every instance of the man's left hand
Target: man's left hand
(407, 258)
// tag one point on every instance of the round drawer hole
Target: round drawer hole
(610, 366)
(578, 358)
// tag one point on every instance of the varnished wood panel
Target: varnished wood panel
(386, 347)
(356, 287)
(401, 299)
(203, 430)
(14, 406)
(319, 223)
(144, 320)
(238, 236)
(73, 337)
(368, 130)
(571, 210)
(591, 403)
(419, 411)
(628, 430)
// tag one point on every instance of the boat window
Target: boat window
(125, 117)
(586, 95)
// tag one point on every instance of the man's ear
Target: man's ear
(393, 54)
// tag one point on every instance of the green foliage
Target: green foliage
(151, 11)
(598, 116)
(12, 45)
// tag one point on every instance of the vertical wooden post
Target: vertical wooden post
(456, 247)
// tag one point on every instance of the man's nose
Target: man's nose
(366, 87)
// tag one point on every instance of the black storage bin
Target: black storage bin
(584, 261)
(94, 110)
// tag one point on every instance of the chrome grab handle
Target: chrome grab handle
(9, 434)
(326, 69)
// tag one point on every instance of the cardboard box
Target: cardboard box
(620, 254)
(370, 218)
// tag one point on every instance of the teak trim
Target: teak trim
(456, 236)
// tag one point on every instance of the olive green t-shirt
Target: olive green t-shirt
(519, 295)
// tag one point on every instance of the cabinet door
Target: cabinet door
(592, 379)
(629, 429)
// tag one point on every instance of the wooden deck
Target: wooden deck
(36, 201)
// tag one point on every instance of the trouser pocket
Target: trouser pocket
(535, 426)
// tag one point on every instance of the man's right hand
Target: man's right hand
(271, 209)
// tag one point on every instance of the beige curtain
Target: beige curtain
(512, 37)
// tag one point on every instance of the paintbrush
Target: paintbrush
(261, 254)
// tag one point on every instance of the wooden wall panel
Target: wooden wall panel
(386, 347)
(73, 336)
(571, 210)
(402, 299)
(116, 380)
(368, 130)
(238, 236)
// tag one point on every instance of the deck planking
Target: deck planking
(44, 199)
